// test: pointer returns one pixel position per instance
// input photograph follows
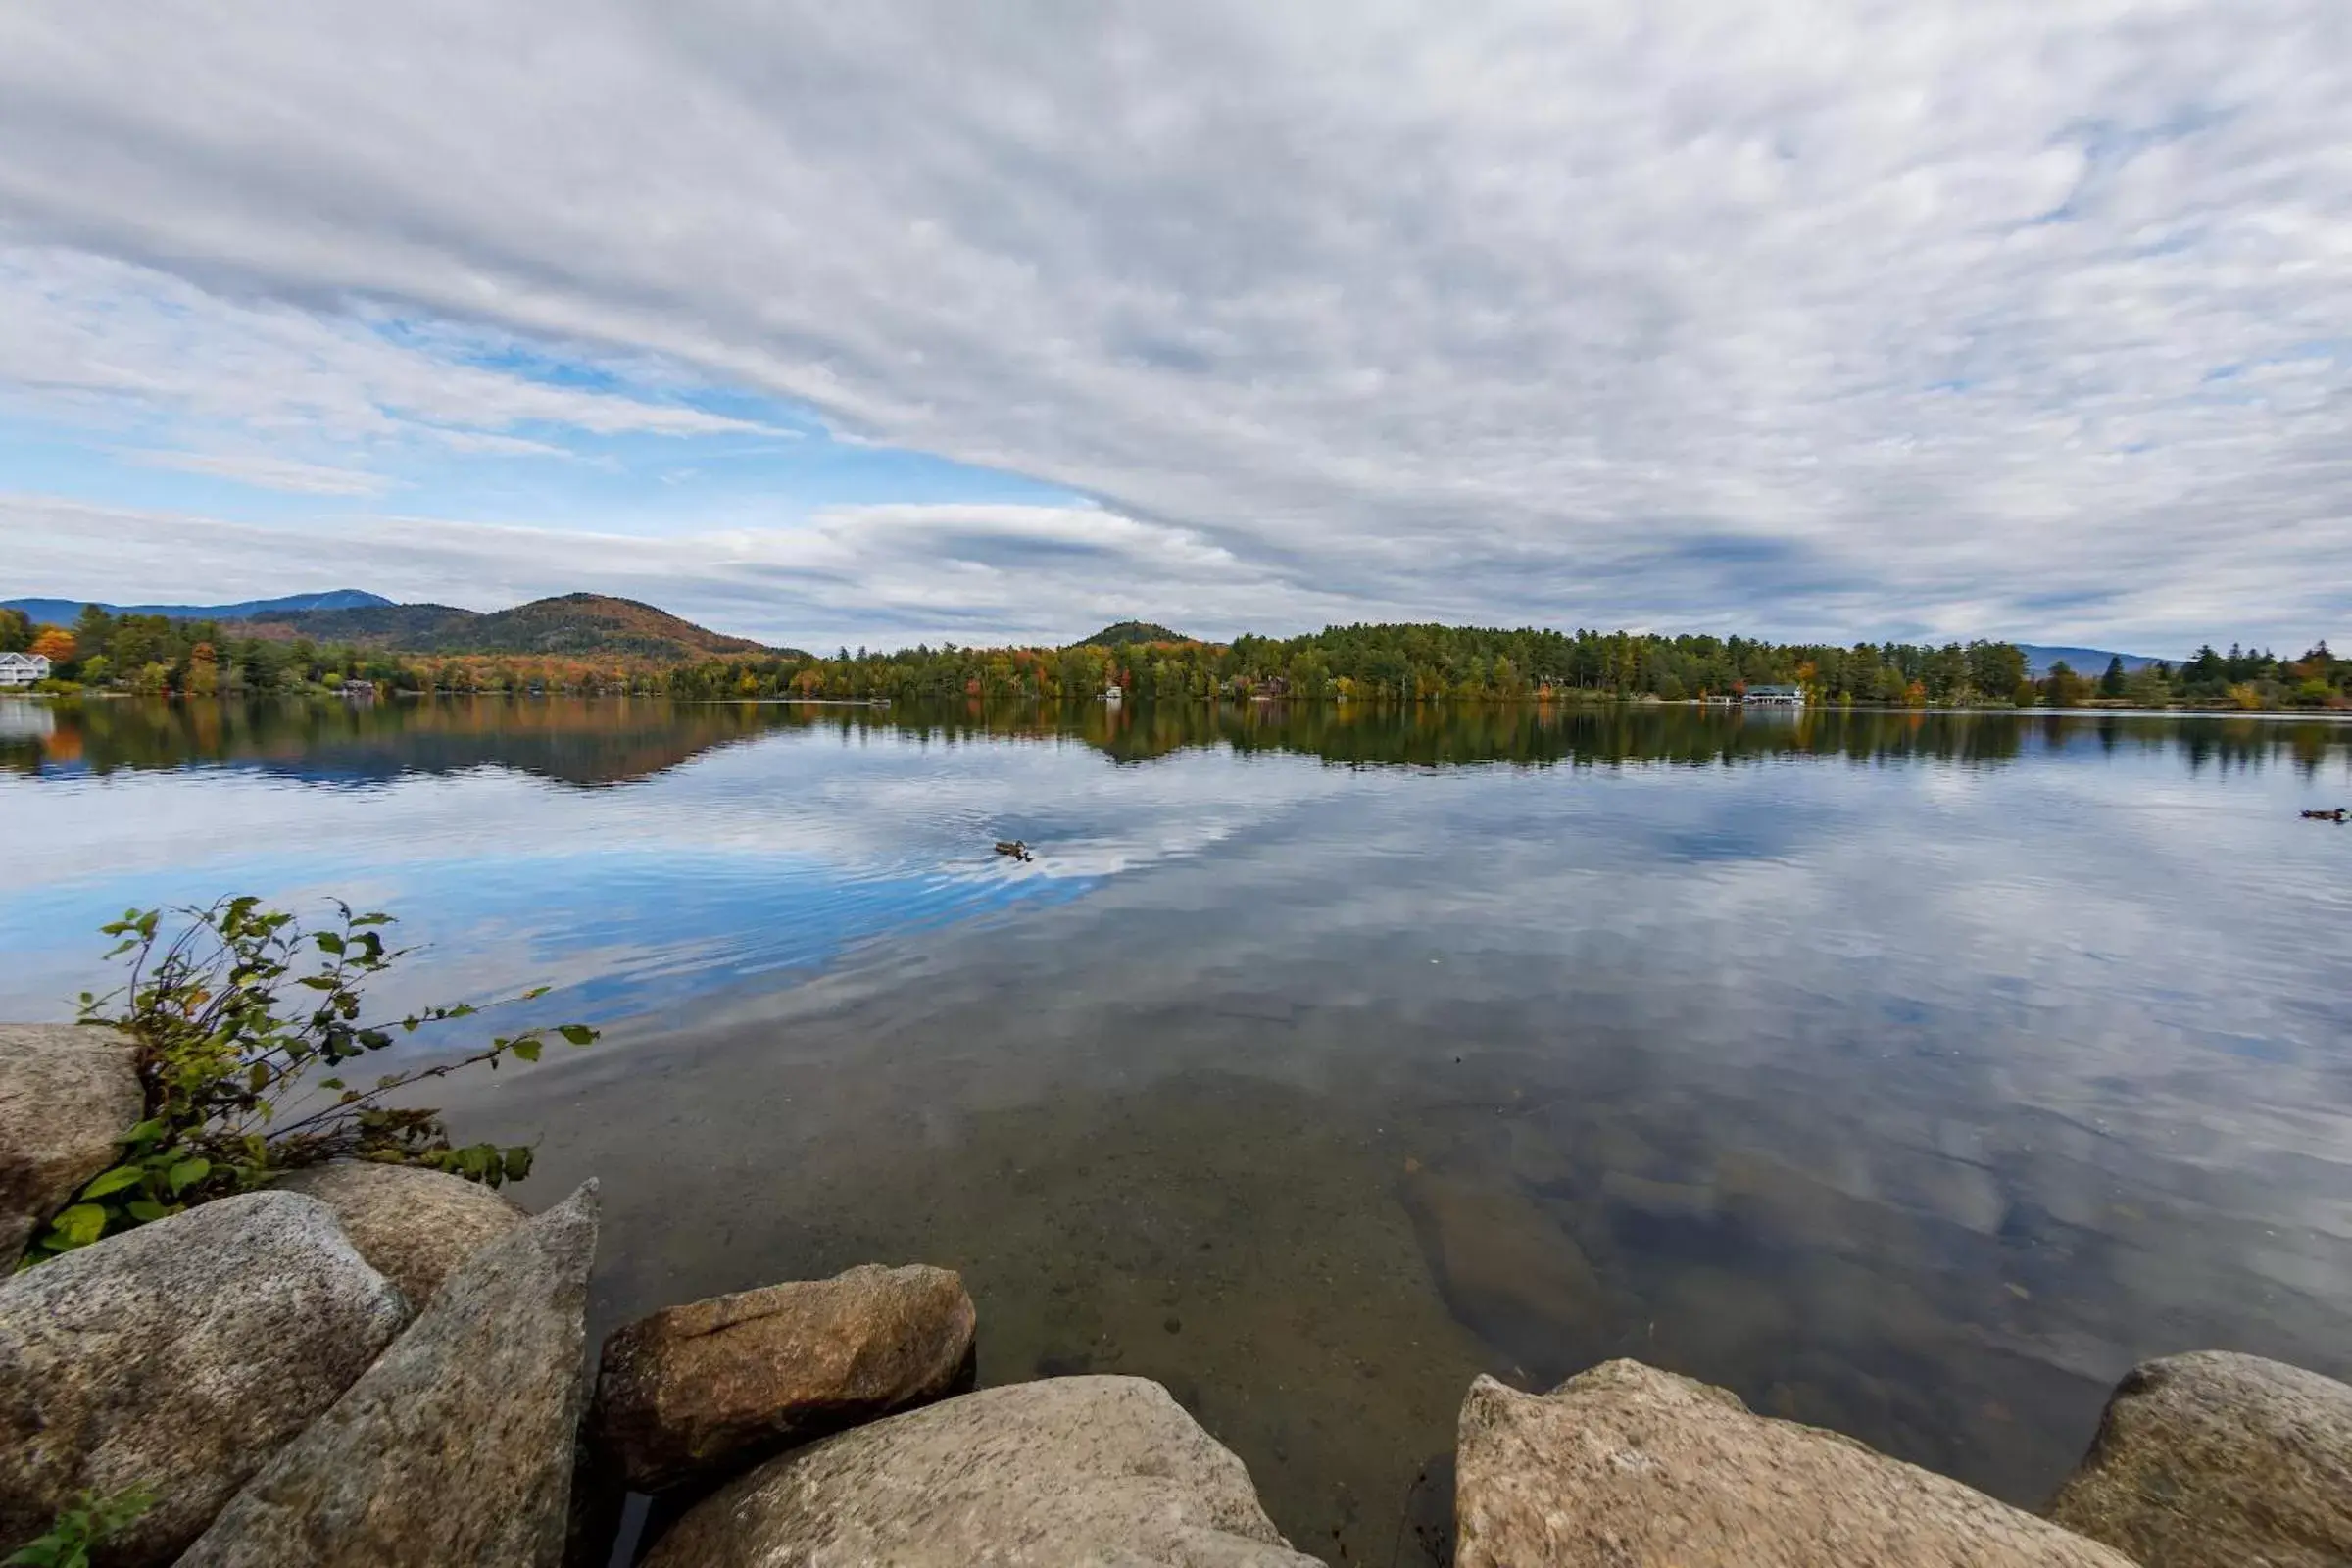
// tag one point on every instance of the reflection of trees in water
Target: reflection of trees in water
(1542, 735)
(592, 740)
(570, 740)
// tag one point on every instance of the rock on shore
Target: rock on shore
(67, 1093)
(457, 1445)
(691, 1387)
(1629, 1467)
(414, 1226)
(178, 1356)
(2216, 1461)
(1070, 1470)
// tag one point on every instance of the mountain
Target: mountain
(61, 612)
(1127, 633)
(578, 625)
(2092, 661)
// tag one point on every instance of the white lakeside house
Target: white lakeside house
(23, 669)
(1776, 696)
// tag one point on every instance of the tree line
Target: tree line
(1408, 662)
(158, 654)
(2242, 678)
(1388, 664)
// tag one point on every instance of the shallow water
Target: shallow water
(1911, 1075)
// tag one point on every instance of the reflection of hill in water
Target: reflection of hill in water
(590, 742)
(571, 741)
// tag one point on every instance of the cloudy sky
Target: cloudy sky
(883, 321)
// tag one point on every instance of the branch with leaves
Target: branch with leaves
(88, 1522)
(243, 1021)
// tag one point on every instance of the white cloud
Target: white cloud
(268, 472)
(1942, 316)
(897, 573)
(95, 334)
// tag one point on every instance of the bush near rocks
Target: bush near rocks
(224, 1039)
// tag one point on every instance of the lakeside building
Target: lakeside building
(23, 669)
(1776, 696)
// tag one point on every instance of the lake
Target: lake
(1909, 1074)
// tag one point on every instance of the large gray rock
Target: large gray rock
(414, 1225)
(67, 1093)
(178, 1356)
(2216, 1459)
(457, 1445)
(1628, 1467)
(1072, 1470)
(689, 1389)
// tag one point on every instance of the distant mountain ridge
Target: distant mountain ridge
(61, 612)
(2082, 661)
(579, 625)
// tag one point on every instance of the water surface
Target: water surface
(1912, 1076)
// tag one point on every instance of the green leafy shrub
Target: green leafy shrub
(244, 1018)
(89, 1521)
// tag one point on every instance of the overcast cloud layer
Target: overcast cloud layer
(1941, 319)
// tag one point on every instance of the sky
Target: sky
(911, 321)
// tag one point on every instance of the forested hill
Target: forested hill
(574, 625)
(1129, 633)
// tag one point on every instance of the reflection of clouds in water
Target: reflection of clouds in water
(1810, 1060)
(772, 855)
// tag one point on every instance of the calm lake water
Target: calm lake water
(1910, 1075)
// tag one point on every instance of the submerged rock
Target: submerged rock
(1507, 1271)
(178, 1356)
(1628, 1467)
(1072, 1470)
(67, 1093)
(691, 1387)
(414, 1225)
(2214, 1458)
(457, 1445)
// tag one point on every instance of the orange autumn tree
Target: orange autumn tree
(55, 644)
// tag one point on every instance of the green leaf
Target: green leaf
(188, 1172)
(319, 982)
(146, 1210)
(580, 1034)
(328, 942)
(113, 1181)
(81, 1225)
(526, 1048)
